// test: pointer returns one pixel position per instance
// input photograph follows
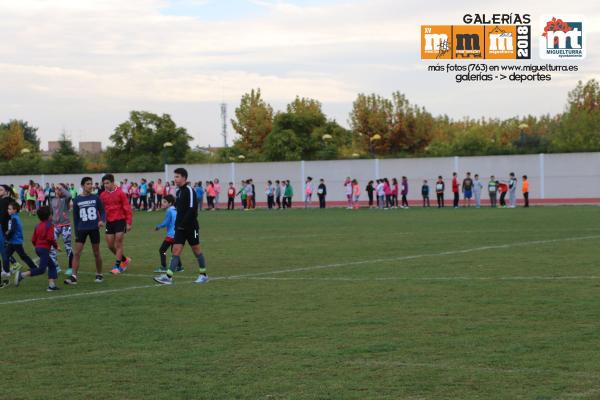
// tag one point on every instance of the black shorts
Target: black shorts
(114, 227)
(190, 235)
(81, 236)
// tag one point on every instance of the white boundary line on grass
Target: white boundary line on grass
(311, 268)
(438, 278)
(404, 258)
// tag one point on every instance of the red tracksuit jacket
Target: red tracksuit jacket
(116, 206)
(43, 236)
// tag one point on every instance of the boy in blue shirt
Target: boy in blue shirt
(199, 194)
(14, 235)
(88, 217)
(169, 222)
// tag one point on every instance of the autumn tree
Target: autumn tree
(12, 141)
(253, 122)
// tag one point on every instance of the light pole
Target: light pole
(372, 139)
(166, 147)
(522, 128)
(326, 140)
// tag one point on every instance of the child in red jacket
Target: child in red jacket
(43, 240)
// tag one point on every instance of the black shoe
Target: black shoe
(71, 281)
(52, 289)
(99, 278)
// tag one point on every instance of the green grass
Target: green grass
(384, 304)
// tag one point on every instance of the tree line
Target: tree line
(379, 127)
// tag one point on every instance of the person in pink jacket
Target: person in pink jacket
(394, 193)
(217, 187)
(355, 194)
(387, 190)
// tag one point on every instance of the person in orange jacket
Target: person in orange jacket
(526, 190)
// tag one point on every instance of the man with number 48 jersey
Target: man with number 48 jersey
(88, 217)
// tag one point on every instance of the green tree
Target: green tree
(579, 126)
(138, 143)
(282, 145)
(65, 159)
(331, 140)
(303, 123)
(24, 164)
(254, 121)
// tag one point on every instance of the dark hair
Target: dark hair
(524, 176)
(169, 199)
(14, 205)
(109, 177)
(43, 213)
(182, 172)
(86, 179)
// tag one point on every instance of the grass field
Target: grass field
(325, 304)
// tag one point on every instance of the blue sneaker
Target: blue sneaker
(160, 270)
(52, 289)
(163, 279)
(116, 270)
(201, 279)
(179, 269)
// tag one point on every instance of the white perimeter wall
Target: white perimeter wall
(564, 176)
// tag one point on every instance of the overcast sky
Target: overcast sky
(82, 65)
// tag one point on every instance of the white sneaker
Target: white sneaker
(5, 278)
(201, 279)
(163, 279)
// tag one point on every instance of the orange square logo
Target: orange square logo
(436, 42)
(501, 42)
(469, 42)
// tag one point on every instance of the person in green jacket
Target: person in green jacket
(73, 192)
(243, 195)
(288, 194)
(492, 190)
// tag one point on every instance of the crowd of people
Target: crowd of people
(382, 193)
(83, 213)
(110, 205)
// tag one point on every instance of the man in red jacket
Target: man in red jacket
(455, 188)
(118, 220)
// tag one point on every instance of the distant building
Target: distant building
(90, 147)
(84, 147)
(53, 146)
